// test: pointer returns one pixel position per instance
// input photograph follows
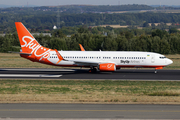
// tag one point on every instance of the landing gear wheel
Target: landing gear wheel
(93, 70)
(155, 71)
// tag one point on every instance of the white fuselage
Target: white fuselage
(119, 58)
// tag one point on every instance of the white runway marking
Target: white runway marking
(26, 75)
(33, 69)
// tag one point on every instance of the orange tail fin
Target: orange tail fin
(27, 41)
(29, 45)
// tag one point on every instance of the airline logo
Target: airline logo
(36, 49)
(109, 66)
(125, 61)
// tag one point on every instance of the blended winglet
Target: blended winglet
(82, 49)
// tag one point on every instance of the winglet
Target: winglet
(82, 49)
(59, 56)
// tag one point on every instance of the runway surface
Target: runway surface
(124, 74)
(93, 111)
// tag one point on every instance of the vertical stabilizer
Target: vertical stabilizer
(29, 45)
(27, 41)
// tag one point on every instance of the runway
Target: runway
(88, 111)
(92, 111)
(123, 74)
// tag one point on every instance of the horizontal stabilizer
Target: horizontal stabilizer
(25, 53)
(20, 53)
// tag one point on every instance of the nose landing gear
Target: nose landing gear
(157, 68)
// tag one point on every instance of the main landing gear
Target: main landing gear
(93, 70)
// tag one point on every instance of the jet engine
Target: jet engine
(107, 67)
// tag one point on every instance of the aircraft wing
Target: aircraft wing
(77, 62)
(89, 63)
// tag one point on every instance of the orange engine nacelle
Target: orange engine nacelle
(107, 67)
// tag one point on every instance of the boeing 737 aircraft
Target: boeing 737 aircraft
(96, 60)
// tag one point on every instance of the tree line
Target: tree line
(158, 41)
(78, 8)
(45, 22)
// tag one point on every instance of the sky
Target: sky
(89, 2)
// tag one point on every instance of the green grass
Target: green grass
(88, 91)
(163, 94)
(125, 87)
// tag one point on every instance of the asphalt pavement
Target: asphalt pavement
(89, 111)
(124, 74)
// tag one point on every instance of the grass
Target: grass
(52, 91)
(70, 91)
(176, 61)
(10, 60)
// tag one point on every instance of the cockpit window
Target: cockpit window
(162, 57)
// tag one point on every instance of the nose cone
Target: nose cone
(169, 61)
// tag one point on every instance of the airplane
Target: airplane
(95, 60)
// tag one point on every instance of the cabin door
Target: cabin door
(152, 58)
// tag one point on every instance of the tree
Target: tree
(160, 33)
(173, 30)
(83, 29)
(146, 24)
(153, 26)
